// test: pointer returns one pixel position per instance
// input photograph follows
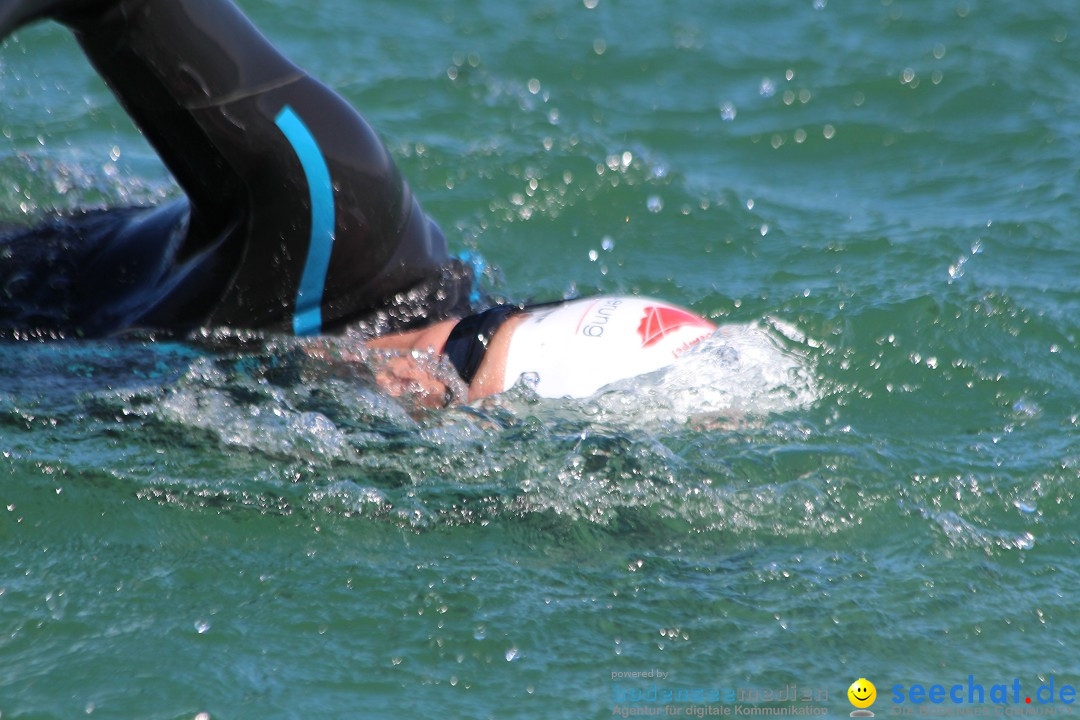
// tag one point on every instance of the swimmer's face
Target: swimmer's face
(862, 693)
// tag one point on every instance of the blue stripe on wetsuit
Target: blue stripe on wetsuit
(307, 316)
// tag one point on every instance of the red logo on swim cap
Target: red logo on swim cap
(659, 321)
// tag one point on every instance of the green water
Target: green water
(246, 532)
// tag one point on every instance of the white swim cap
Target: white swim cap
(578, 347)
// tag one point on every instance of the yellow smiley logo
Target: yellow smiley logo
(862, 693)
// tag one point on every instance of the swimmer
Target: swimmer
(294, 219)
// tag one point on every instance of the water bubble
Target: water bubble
(607, 243)
(534, 86)
(1026, 408)
(591, 4)
(202, 626)
(727, 111)
(820, 4)
(1024, 507)
(599, 46)
(766, 88)
(654, 203)
(512, 654)
(593, 255)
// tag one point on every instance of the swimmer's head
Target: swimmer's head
(573, 349)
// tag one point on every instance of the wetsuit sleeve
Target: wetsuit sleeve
(289, 187)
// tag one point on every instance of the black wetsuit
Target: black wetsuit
(295, 218)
